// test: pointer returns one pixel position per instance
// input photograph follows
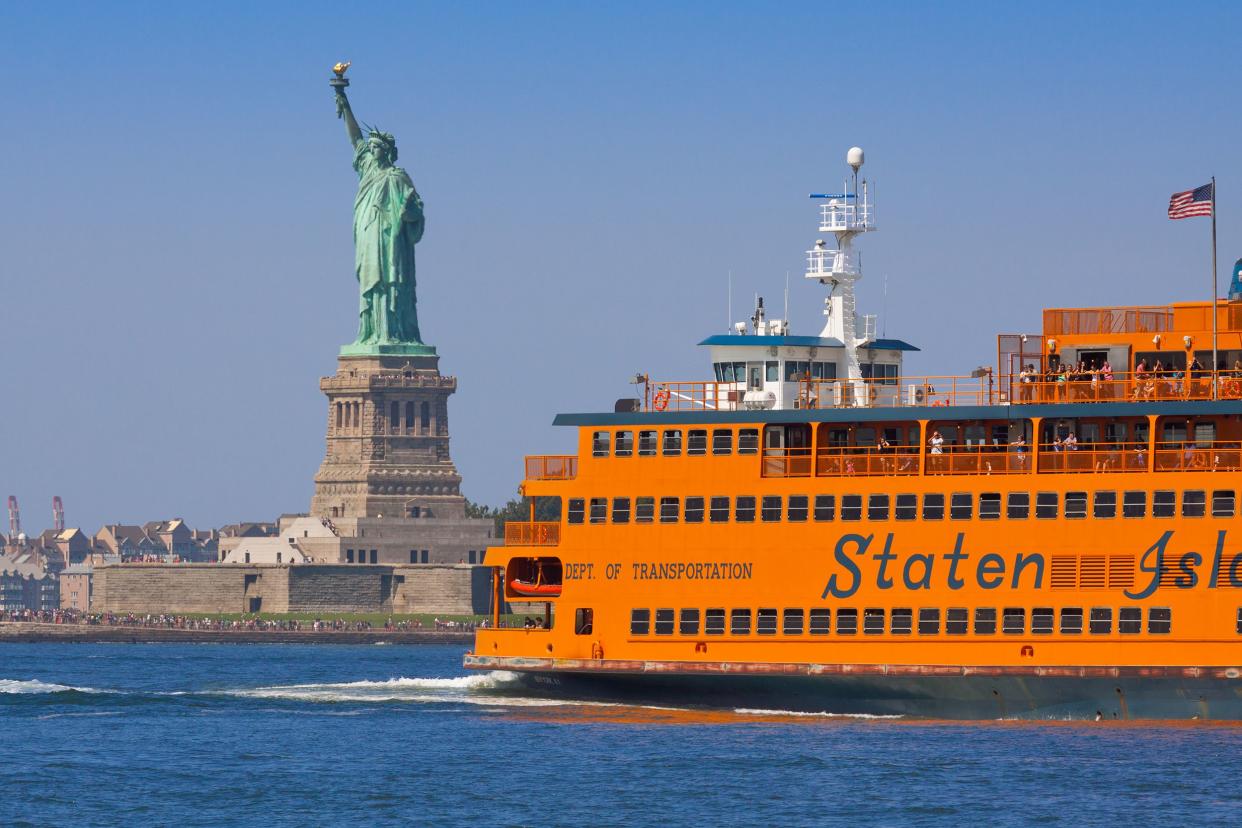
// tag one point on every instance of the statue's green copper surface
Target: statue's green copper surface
(388, 222)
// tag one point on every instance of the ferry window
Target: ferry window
(739, 622)
(798, 506)
(847, 621)
(1105, 505)
(1134, 504)
(672, 442)
(577, 509)
(1018, 506)
(792, 622)
(1163, 504)
(1046, 505)
(697, 441)
(719, 368)
(646, 443)
(1160, 620)
(773, 370)
(960, 506)
(583, 621)
(599, 509)
(600, 443)
(722, 441)
(694, 510)
(689, 622)
(1071, 620)
(620, 510)
(748, 441)
(644, 510)
(796, 371)
(825, 507)
(851, 507)
(873, 621)
(714, 622)
(1042, 620)
(821, 621)
(765, 622)
(902, 620)
(745, 511)
(933, 507)
(1240, 620)
(1194, 504)
(720, 510)
(770, 508)
(929, 621)
(669, 509)
(1013, 621)
(640, 621)
(1075, 504)
(985, 620)
(1130, 620)
(877, 507)
(989, 506)
(907, 507)
(1222, 503)
(1101, 621)
(664, 622)
(625, 443)
(955, 621)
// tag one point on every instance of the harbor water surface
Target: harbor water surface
(275, 735)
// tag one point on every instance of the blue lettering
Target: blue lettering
(1187, 564)
(1155, 568)
(881, 578)
(1220, 552)
(1021, 562)
(860, 546)
(954, 558)
(925, 581)
(990, 564)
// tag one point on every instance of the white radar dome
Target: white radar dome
(854, 157)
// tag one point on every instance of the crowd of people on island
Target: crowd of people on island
(187, 622)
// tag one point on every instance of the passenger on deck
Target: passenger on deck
(1024, 383)
(937, 450)
(1070, 443)
(1019, 452)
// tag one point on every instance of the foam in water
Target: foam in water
(31, 686)
(754, 711)
(471, 689)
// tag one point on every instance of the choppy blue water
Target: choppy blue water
(297, 735)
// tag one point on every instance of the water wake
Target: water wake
(484, 689)
(755, 711)
(18, 687)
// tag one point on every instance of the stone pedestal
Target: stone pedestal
(388, 441)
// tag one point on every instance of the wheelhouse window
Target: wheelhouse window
(600, 444)
(929, 621)
(722, 441)
(670, 508)
(625, 443)
(851, 507)
(884, 373)
(798, 508)
(646, 443)
(1194, 503)
(1164, 504)
(933, 507)
(960, 506)
(694, 510)
(739, 622)
(792, 622)
(901, 621)
(697, 442)
(877, 507)
(714, 622)
(1018, 506)
(620, 510)
(1105, 505)
(719, 509)
(689, 623)
(748, 441)
(1160, 620)
(640, 621)
(907, 507)
(664, 622)
(765, 622)
(745, 511)
(599, 509)
(847, 621)
(873, 621)
(1071, 620)
(576, 510)
(1075, 505)
(644, 510)
(985, 620)
(1134, 505)
(1046, 505)
(1101, 620)
(672, 442)
(825, 507)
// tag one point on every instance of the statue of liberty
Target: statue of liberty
(388, 222)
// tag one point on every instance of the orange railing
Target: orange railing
(978, 459)
(539, 533)
(899, 392)
(694, 396)
(844, 461)
(1094, 457)
(1198, 456)
(1144, 386)
(786, 462)
(1134, 319)
(551, 467)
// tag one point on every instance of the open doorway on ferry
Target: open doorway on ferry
(886, 448)
(787, 450)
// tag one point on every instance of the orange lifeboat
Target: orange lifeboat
(536, 590)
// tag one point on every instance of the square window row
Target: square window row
(877, 507)
(901, 621)
(669, 442)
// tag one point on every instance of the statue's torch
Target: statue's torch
(338, 82)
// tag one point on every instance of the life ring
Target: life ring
(661, 399)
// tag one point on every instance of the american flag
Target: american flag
(1196, 202)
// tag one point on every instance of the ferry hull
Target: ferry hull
(922, 692)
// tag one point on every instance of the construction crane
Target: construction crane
(15, 519)
(58, 514)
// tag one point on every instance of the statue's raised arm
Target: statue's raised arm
(342, 103)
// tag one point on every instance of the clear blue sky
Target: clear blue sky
(175, 250)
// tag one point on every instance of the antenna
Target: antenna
(729, 324)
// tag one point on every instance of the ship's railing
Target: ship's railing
(978, 459)
(795, 462)
(694, 396)
(844, 214)
(539, 533)
(1094, 457)
(851, 461)
(1217, 455)
(894, 392)
(551, 467)
(1116, 320)
(1139, 386)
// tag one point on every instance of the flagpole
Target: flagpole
(1215, 362)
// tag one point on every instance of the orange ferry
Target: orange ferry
(815, 530)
